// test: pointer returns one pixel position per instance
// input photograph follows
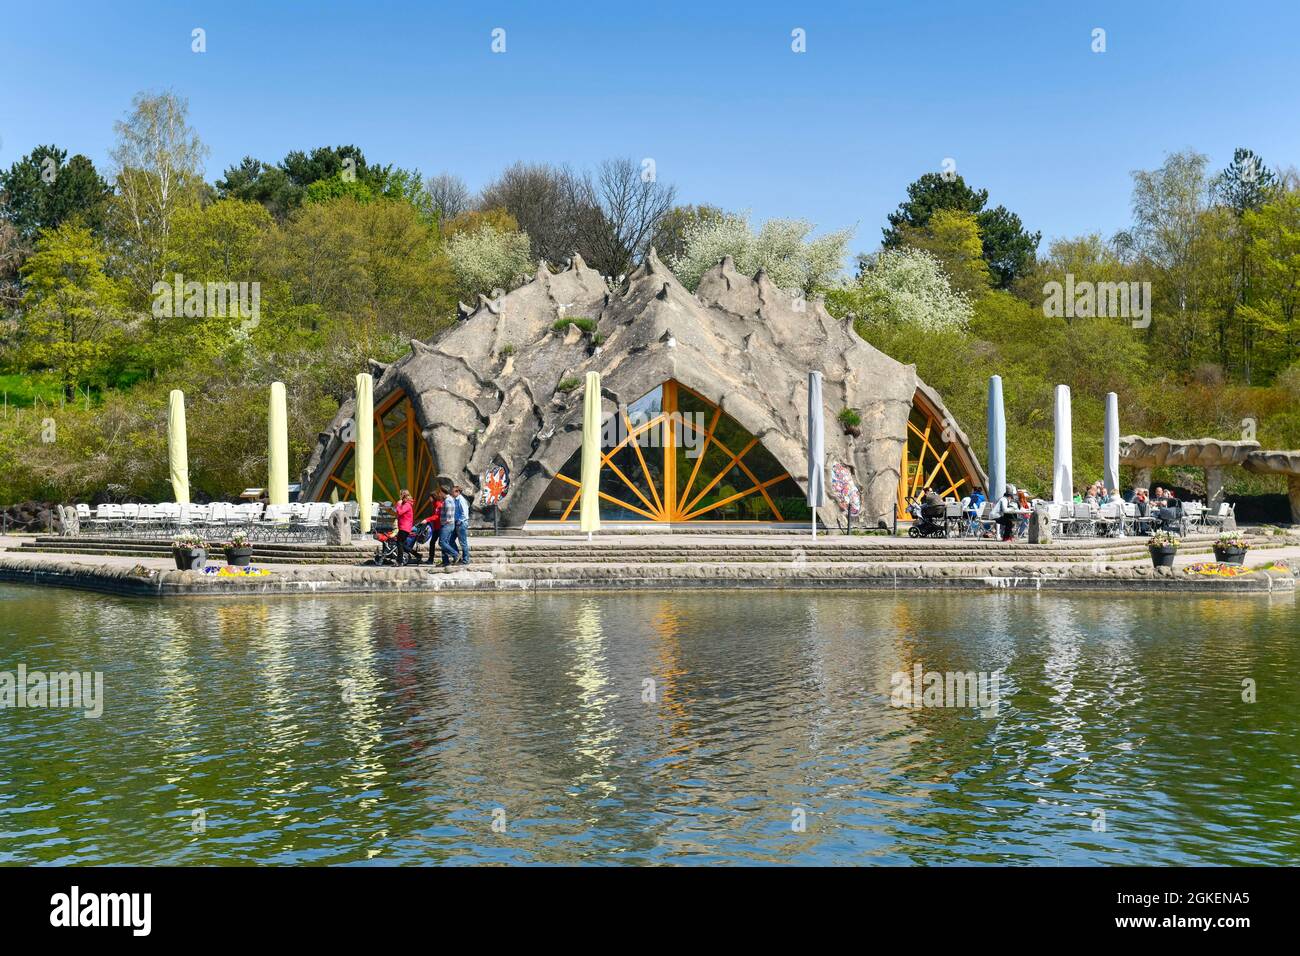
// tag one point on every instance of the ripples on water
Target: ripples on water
(389, 729)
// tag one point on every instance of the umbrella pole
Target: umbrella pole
(814, 524)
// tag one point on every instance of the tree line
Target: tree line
(107, 282)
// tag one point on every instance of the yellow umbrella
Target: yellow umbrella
(277, 485)
(363, 452)
(589, 514)
(177, 451)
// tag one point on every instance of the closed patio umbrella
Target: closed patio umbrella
(816, 448)
(1063, 455)
(177, 450)
(1110, 467)
(277, 484)
(589, 503)
(363, 450)
(997, 439)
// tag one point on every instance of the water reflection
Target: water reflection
(652, 728)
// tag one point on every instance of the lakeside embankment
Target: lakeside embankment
(565, 564)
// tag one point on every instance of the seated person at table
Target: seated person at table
(1141, 503)
(1026, 506)
(1005, 513)
(975, 505)
(1169, 511)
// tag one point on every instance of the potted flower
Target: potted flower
(190, 552)
(1231, 547)
(1163, 547)
(239, 550)
(851, 422)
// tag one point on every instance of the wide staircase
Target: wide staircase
(556, 552)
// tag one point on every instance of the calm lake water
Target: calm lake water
(696, 728)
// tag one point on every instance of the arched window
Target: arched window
(402, 459)
(673, 455)
(932, 457)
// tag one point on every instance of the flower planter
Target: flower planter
(239, 557)
(1163, 557)
(1229, 555)
(190, 559)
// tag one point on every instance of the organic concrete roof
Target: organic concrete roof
(487, 390)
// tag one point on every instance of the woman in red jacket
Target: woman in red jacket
(434, 520)
(405, 511)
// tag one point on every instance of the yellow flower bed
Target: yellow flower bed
(1215, 569)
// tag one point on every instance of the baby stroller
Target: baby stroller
(927, 520)
(388, 551)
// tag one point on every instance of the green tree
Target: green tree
(336, 187)
(160, 172)
(71, 307)
(1274, 247)
(255, 181)
(953, 238)
(1008, 248)
(285, 186)
(45, 188)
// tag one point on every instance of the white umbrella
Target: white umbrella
(997, 439)
(1063, 456)
(363, 449)
(589, 503)
(1110, 467)
(816, 448)
(177, 452)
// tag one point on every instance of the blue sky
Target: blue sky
(712, 91)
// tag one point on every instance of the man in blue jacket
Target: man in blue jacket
(462, 524)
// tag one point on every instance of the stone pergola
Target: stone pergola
(1213, 455)
(1280, 463)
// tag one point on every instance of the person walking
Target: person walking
(462, 524)
(447, 528)
(405, 511)
(434, 521)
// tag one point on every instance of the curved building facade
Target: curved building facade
(704, 394)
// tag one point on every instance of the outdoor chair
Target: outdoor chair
(1193, 512)
(308, 519)
(1218, 520)
(1109, 520)
(952, 518)
(275, 523)
(107, 517)
(1083, 521)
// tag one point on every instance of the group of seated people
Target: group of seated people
(1012, 510)
(1161, 506)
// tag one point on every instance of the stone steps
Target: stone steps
(487, 551)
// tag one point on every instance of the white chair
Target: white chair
(106, 517)
(1083, 521)
(1110, 518)
(1055, 525)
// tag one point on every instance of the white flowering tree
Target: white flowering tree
(904, 286)
(487, 258)
(781, 247)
